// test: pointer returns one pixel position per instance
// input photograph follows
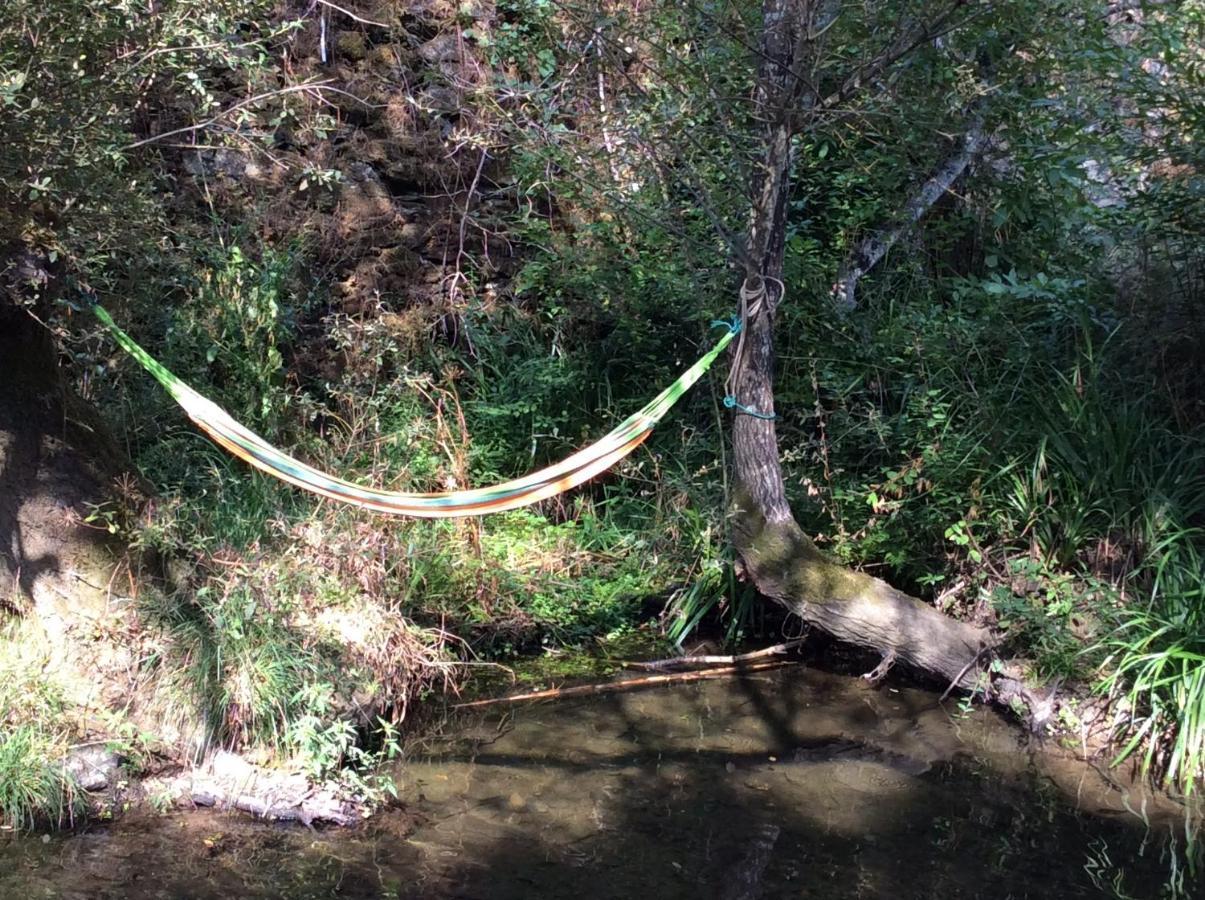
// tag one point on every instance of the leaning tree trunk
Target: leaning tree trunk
(783, 563)
(870, 251)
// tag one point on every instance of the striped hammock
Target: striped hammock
(573, 471)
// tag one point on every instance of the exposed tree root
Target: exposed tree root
(864, 611)
(854, 607)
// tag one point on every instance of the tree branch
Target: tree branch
(352, 15)
(871, 250)
(315, 86)
(908, 41)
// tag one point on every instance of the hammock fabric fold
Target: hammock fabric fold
(577, 469)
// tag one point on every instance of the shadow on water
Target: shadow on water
(789, 783)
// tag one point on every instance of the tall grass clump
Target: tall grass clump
(1113, 491)
(35, 786)
(233, 660)
(1157, 661)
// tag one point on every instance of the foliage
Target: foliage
(236, 318)
(330, 748)
(35, 787)
(988, 423)
(79, 80)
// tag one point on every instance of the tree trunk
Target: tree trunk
(783, 563)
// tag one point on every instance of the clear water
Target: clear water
(788, 783)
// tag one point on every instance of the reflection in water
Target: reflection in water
(783, 784)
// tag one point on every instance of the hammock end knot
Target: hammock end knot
(733, 325)
(731, 403)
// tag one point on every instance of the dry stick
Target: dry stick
(352, 15)
(583, 690)
(704, 660)
(317, 86)
(958, 678)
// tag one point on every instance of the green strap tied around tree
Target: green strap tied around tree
(731, 402)
(571, 472)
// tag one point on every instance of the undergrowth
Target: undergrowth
(312, 631)
(1009, 466)
(36, 788)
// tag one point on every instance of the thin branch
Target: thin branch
(681, 662)
(226, 46)
(352, 15)
(941, 25)
(583, 690)
(458, 276)
(957, 682)
(318, 86)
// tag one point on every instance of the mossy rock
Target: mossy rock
(351, 45)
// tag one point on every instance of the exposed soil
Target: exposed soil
(56, 465)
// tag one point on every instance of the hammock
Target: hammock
(573, 471)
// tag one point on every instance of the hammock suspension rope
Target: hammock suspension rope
(753, 292)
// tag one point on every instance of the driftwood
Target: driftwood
(629, 684)
(690, 662)
(308, 810)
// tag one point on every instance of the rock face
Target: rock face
(93, 768)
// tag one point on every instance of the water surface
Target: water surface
(789, 783)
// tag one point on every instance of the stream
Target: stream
(785, 783)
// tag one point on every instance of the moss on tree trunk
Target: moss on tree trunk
(852, 606)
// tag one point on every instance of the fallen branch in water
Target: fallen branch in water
(679, 662)
(583, 690)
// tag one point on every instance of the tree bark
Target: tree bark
(783, 563)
